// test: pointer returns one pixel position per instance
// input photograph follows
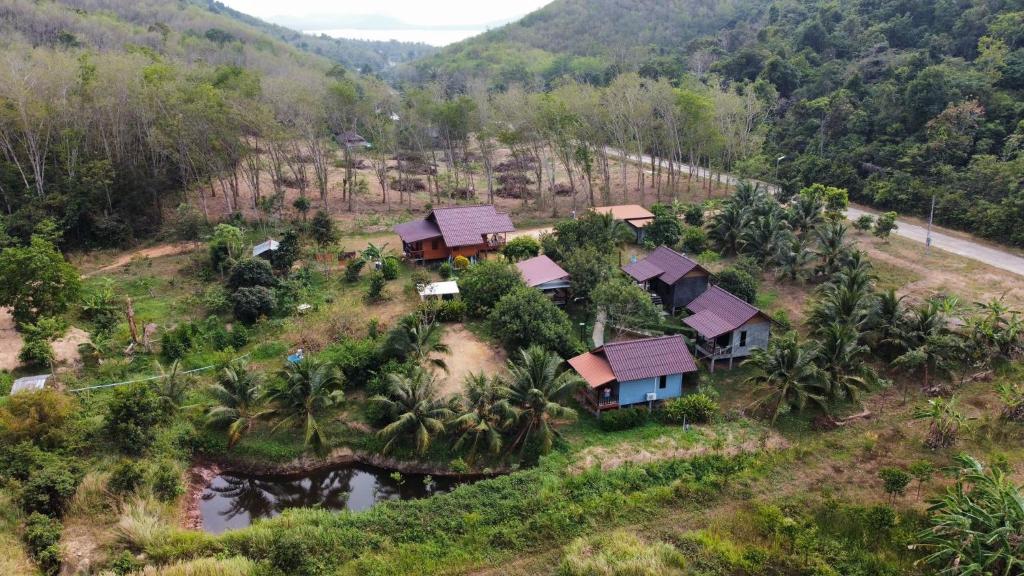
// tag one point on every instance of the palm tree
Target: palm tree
(615, 231)
(486, 414)
(172, 387)
(419, 412)
(764, 236)
(841, 358)
(929, 345)
(972, 526)
(805, 213)
(727, 227)
(792, 259)
(239, 401)
(747, 193)
(537, 384)
(848, 298)
(944, 422)
(832, 246)
(788, 375)
(417, 340)
(374, 253)
(887, 322)
(309, 387)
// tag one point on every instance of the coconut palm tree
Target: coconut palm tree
(747, 193)
(764, 236)
(832, 246)
(793, 258)
(887, 322)
(172, 387)
(804, 213)
(928, 344)
(239, 404)
(944, 422)
(308, 389)
(842, 359)
(848, 298)
(418, 340)
(727, 226)
(537, 384)
(419, 412)
(973, 526)
(787, 374)
(485, 416)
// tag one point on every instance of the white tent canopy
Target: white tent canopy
(268, 246)
(29, 383)
(438, 289)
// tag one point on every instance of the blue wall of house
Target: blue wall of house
(635, 391)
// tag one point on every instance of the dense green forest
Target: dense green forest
(895, 101)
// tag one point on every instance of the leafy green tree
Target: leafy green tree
(419, 341)
(484, 415)
(225, 246)
(249, 272)
(521, 248)
(307, 390)
(133, 413)
(787, 375)
(287, 252)
(894, 482)
(922, 471)
(737, 282)
(538, 384)
(484, 283)
(664, 230)
(37, 281)
(418, 412)
(587, 268)
(864, 223)
(250, 304)
(526, 317)
(302, 206)
(626, 303)
(323, 230)
(885, 224)
(972, 527)
(238, 401)
(375, 291)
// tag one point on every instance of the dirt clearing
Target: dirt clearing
(152, 252)
(10, 342)
(468, 354)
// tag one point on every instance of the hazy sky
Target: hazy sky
(433, 21)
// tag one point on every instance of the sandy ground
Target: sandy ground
(10, 341)
(152, 252)
(468, 354)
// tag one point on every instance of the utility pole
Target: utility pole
(928, 239)
(777, 160)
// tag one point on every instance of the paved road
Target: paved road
(960, 246)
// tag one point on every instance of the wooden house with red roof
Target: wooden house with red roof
(454, 231)
(727, 326)
(673, 278)
(621, 374)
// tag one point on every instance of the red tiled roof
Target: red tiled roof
(716, 312)
(417, 230)
(466, 225)
(593, 368)
(648, 358)
(540, 269)
(669, 264)
(625, 211)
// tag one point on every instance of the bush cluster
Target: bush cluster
(442, 310)
(42, 538)
(694, 408)
(623, 419)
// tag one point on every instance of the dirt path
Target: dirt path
(468, 354)
(10, 342)
(152, 252)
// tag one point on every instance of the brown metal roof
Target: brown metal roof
(593, 368)
(649, 358)
(716, 312)
(466, 225)
(669, 265)
(625, 211)
(540, 269)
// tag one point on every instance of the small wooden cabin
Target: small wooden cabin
(454, 231)
(546, 275)
(727, 326)
(673, 278)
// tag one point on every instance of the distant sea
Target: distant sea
(425, 35)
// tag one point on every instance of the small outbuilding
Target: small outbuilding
(727, 326)
(351, 139)
(546, 275)
(634, 215)
(446, 290)
(30, 383)
(673, 279)
(265, 249)
(640, 372)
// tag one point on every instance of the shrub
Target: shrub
(623, 419)
(166, 481)
(442, 310)
(738, 283)
(894, 481)
(885, 224)
(249, 272)
(390, 268)
(49, 489)
(460, 263)
(694, 241)
(355, 357)
(486, 282)
(445, 270)
(620, 554)
(282, 259)
(526, 317)
(521, 248)
(132, 415)
(375, 291)
(216, 300)
(42, 538)
(251, 303)
(126, 477)
(665, 230)
(41, 416)
(36, 352)
(696, 408)
(353, 268)
(6, 381)
(178, 341)
(694, 215)
(864, 223)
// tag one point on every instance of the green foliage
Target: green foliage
(665, 230)
(738, 282)
(587, 267)
(225, 246)
(353, 268)
(389, 268)
(484, 283)
(623, 419)
(127, 477)
(37, 281)
(133, 412)
(42, 416)
(180, 340)
(306, 390)
(885, 224)
(894, 481)
(323, 230)
(6, 381)
(694, 240)
(521, 248)
(445, 270)
(375, 290)
(49, 488)
(443, 310)
(525, 317)
(626, 303)
(249, 304)
(696, 408)
(42, 538)
(417, 412)
(693, 215)
(864, 223)
(621, 554)
(36, 353)
(250, 272)
(355, 357)
(166, 481)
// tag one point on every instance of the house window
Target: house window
(663, 382)
(433, 244)
(743, 338)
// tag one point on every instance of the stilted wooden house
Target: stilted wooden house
(673, 279)
(544, 274)
(727, 326)
(454, 231)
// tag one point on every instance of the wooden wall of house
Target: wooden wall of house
(758, 331)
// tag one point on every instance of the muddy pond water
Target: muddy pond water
(235, 500)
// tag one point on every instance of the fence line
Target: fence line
(150, 378)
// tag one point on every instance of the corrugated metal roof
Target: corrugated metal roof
(669, 264)
(539, 270)
(466, 225)
(649, 358)
(625, 211)
(264, 247)
(716, 312)
(417, 230)
(29, 383)
(593, 368)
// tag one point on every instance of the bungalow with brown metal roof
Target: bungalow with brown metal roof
(673, 279)
(727, 326)
(643, 371)
(635, 216)
(544, 274)
(454, 231)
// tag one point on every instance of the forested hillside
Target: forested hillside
(110, 109)
(896, 101)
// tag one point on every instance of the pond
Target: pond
(235, 500)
